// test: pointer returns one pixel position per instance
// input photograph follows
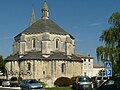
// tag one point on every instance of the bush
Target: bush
(43, 84)
(73, 79)
(62, 81)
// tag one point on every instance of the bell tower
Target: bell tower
(45, 12)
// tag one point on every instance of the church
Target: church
(43, 51)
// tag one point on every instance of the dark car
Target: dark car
(111, 84)
(30, 84)
(1, 80)
(14, 82)
(82, 83)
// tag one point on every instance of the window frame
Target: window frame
(33, 43)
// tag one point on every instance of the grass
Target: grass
(59, 88)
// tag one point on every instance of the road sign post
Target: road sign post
(108, 72)
(108, 67)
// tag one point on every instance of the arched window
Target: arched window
(57, 43)
(33, 43)
(89, 60)
(63, 68)
(29, 66)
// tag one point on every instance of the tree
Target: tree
(110, 50)
(101, 73)
(1, 64)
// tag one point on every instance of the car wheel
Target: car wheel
(28, 88)
(21, 88)
(74, 86)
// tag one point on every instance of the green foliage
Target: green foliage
(10, 56)
(43, 84)
(62, 81)
(110, 50)
(73, 79)
(1, 64)
(114, 20)
(59, 88)
(101, 72)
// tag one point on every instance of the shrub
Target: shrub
(73, 79)
(43, 84)
(62, 81)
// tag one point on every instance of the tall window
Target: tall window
(57, 43)
(63, 68)
(29, 66)
(84, 60)
(33, 43)
(89, 60)
(89, 66)
(85, 66)
(85, 73)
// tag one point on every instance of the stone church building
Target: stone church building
(43, 51)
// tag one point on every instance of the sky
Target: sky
(83, 19)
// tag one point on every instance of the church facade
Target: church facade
(43, 51)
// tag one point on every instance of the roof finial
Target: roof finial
(45, 10)
(32, 19)
(44, 0)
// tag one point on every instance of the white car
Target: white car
(5, 82)
(101, 79)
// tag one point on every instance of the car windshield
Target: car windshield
(5, 80)
(100, 78)
(84, 79)
(32, 81)
(14, 79)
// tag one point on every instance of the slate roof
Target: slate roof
(38, 56)
(58, 55)
(45, 25)
(32, 56)
(14, 57)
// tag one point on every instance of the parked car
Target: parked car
(1, 80)
(111, 84)
(82, 83)
(14, 82)
(30, 84)
(5, 82)
(100, 80)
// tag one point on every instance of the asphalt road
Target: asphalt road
(9, 88)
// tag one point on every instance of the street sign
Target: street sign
(108, 68)
(108, 72)
(108, 65)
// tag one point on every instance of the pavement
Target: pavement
(18, 88)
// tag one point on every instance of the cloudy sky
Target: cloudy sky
(83, 19)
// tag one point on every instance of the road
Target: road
(9, 88)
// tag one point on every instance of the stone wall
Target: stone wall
(24, 43)
(45, 70)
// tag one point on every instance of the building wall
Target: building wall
(45, 70)
(87, 67)
(12, 68)
(24, 43)
(96, 70)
